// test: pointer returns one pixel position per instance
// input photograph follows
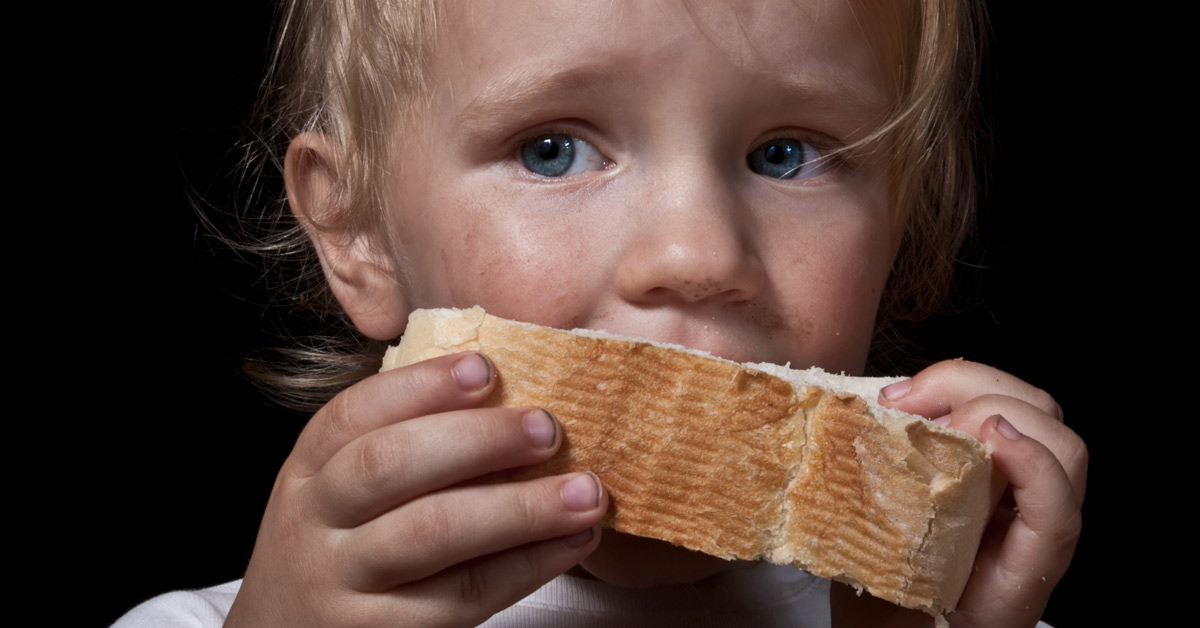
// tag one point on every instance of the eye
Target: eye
(560, 155)
(787, 158)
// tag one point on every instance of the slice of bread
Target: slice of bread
(742, 461)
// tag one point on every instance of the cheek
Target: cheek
(835, 288)
(511, 265)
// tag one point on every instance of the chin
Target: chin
(634, 561)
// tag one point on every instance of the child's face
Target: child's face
(624, 166)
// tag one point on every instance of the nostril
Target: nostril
(693, 290)
(705, 289)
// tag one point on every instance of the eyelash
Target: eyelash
(828, 158)
(576, 139)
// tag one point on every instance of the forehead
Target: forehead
(814, 49)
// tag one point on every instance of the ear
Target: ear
(362, 278)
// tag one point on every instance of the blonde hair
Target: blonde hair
(352, 70)
(933, 140)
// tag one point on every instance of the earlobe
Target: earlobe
(360, 275)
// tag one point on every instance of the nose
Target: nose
(694, 242)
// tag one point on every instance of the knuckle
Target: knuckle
(473, 585)
(531, 565)
(1075, 461)
(1045, 465)
(1081, 457)
(434, 526)
(1071, 453)
(1064, 534)
(530, 569)
(1071, 530)
(339, 412)
(427, 381)
(378, 461)
(1074, 454)
(496, 430)
(1046, 402)
(489, 434)
(527, 505)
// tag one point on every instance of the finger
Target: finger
(1017, 568)
(399, 462)
(478, 589)
(937, 390)
(450, 527)
(1067, 447)
(445, 383)
(1041, 488)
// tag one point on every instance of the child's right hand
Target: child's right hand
(368, 524)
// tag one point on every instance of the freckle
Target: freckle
(771, 320)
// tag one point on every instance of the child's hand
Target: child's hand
(1028, 545)
(368, 524)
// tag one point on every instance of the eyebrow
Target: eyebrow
(849, 95)
(525, 90)
(528, 90)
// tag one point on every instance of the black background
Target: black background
(177, 467)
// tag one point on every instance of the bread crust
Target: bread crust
(738, 463)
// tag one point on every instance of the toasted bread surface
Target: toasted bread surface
(740, 463)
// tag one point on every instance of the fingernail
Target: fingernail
(943, 420)
(1004, 427)
(579, 540)
(541, 428)
(581, 492)
(472, 372)
(892, 392)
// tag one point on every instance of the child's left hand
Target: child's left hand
(1031, 539)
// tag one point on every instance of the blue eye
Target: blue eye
(559, 155)
(786, 158)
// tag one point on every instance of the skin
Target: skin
(1032, 536)
(662, 231)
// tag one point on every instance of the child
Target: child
(748, 178)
